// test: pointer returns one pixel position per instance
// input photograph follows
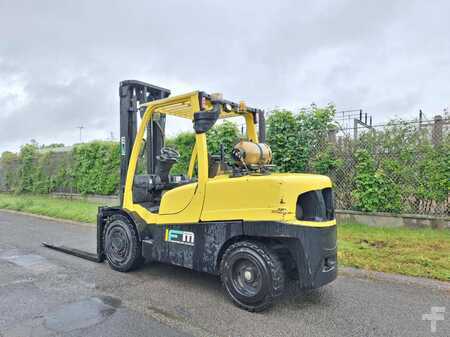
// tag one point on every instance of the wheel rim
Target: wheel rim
(246, 278)
(118, 245)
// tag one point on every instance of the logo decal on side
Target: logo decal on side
(177, 236)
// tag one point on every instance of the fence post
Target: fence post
(437, 130)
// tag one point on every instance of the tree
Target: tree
(295, 139)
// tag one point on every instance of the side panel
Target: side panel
(191, 213)
(194, 246)
(177, 199)
(248, 197)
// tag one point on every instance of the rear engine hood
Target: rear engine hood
(258, 198)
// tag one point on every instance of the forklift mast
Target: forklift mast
(133, 93)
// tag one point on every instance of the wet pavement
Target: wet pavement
(47, 293)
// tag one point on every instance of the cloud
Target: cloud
(61, 62)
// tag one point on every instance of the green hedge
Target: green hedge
(87, 168)
(96, 167)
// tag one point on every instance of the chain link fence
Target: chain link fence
(400, 167)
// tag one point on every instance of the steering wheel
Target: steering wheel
(169, 153)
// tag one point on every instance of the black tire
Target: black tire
(252, 275)
(121, 244)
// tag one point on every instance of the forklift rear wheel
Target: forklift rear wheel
(252, 275)
(122, 246)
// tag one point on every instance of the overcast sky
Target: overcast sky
(61, 61)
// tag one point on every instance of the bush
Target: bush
(296, 138)
(96, 167)
(373, 190)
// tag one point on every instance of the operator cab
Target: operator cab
(147, 161)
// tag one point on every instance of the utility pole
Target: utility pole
(81, 127)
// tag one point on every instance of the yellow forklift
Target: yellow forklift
(234, 218)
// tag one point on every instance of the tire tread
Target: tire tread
(275, 266)
(137, 259)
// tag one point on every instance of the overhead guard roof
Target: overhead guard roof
(181, 106)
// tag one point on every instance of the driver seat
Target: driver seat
(147, 188)
(163, 166)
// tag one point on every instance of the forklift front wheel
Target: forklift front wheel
(252, 275)
(122, 246)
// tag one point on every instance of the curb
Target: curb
(395, 278)
(44, 217)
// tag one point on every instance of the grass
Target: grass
(77, 210)
(414, 252)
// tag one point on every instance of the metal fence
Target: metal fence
(406, 168)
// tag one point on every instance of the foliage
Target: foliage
(96, 167)
(225, 133)
(434, 172)
(43, 182)
(8, 163)
(294, 138)
(88, 168)
(398, 169)
(373, 191)
(282, 136)
(184, 144)
(27, 171)
(326, 161)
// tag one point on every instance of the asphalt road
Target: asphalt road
(47, 293)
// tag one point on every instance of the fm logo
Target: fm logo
(177, 236)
